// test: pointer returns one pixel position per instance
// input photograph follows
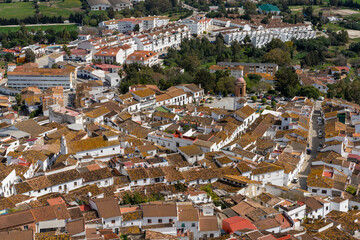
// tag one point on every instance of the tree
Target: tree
(254, 98)
(265, 20)
(264, 101)
(124, 237)
(136, 28)
(250, 8)
(180, 187)
(278, 56)
(309, 91)
(110, 12)
(206, 79)
(226, 85)
(191, 63)
(29, 55)
(67, 50)
(273, 103)
(287, 81)
(9, 57)
(18, 98)
(121, 73)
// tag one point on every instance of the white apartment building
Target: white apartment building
(197, 24)
(114, 54)
(160, 39)
(147, 58)
(261, 37)
(111, 24)
(145, 23)
(42, 78)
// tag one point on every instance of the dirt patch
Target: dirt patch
(338, 11)
(353, 33)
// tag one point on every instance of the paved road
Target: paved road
(314, 143)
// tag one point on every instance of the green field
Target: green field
(333, 27)
(16, 10)
(51, 8)
(72, 27)
(299, 8)
(60, 8)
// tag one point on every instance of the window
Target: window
(75, 183)
(60, 187)
(211, 235)
(183, 225)
(106, 182)
(170, 220)
(159, 220)
(323, 191)
(193, 225)
(101, 151)
(26, 227)
(149, 220)
(113, 149)
(314, 190)
(296, 215)
(113, 221)
(327, 208)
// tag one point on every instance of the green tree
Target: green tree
(265, 20)
(18, 99)
(110, 12)
(191, 63)
(309, 91)
(254, 98)
(206, 79)
(250, 8)
(287, 82)
(226, 85)
(273, 103)
(124, 237)
(263, 101)
(29, 55)
(66, 50)
(180, 187)
(278, 56)
(9, 57)
(137, 28)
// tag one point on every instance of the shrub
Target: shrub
(351, 189)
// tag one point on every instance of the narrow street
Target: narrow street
(314, 143)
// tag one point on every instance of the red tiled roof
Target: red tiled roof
(237, 223)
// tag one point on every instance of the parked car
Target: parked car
(308, 151)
